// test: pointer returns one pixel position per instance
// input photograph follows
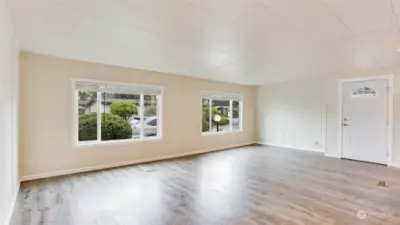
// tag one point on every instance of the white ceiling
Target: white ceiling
(239, 41)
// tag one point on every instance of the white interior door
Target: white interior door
(365, 121)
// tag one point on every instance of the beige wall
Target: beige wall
(279, 110)
(46, 118)
(290, 114)
(9, 179)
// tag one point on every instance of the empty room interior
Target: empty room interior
(180, 112)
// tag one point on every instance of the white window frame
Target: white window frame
(210, 100)
(75, 108)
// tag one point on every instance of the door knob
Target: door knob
(346, 124)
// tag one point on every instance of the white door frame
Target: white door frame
(389, 78)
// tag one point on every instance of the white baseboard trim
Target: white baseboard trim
(397, 165)
(332, 155)
(292, 147)
(126, 163)
(12, 206)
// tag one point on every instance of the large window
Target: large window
(107, 112)
(221, 112)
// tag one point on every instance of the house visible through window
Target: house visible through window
(227, 107)
(108, 112)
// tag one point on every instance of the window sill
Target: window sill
(116, 142)
(220, 133)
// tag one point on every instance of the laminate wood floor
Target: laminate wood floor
(248, 185)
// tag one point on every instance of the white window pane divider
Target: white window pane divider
(141, 115)
(98, 116)
(158, 114)
(230, 115)
(241, 116)
(76, 103)
(210, 114)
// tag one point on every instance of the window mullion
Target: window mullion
(98, 116)
(230, 114)
(159, 115)
(210, 114)
(141, 114)
(77, 116)
(241, 115)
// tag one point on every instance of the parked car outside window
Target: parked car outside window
(149, 128)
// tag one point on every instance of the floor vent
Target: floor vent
(382, 183)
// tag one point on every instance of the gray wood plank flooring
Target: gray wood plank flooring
(248, 185)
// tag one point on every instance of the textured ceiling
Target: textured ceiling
(239, 41)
